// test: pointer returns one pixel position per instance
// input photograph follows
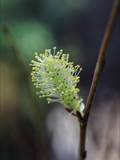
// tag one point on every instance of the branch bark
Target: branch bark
(97, 74)
(102, 55)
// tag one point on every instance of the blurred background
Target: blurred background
(30, 129)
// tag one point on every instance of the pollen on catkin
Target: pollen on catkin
(56, 79)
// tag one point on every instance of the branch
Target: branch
(102, 55)
(83, 129)
(96, 77)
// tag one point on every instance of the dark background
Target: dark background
(27, 123)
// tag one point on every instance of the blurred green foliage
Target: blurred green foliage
(31, 36)
(28, 26)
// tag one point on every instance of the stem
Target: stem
(96, 77)
(83, 128)
(101, 58)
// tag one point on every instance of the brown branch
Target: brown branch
(82, 142)
(102, 55)
(96, 77)
(83, 129)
